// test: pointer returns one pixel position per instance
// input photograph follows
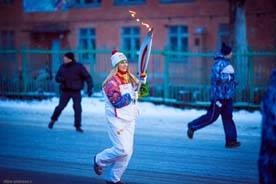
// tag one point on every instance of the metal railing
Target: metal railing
(174, 77)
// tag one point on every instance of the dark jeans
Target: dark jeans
(63, 101)
(212, 115)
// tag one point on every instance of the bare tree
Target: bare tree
(237, 22)
(238, 40)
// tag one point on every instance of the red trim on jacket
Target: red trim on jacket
(115, 112)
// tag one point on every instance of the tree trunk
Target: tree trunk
(238, 40)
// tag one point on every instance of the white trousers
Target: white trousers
(121, 134)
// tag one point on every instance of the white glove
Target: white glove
(134, 96)
(228, 69)
(218, 104)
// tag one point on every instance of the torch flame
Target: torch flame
(145, 24)
(133, 14)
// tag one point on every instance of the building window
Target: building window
(178, 40)
(223, 34)
(87, 3)
(131, 42)
(6, 1)
(46, 5)
(87, 42)
(7, 42)
(175, 1)
(128, 2)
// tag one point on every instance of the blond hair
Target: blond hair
(133, 79)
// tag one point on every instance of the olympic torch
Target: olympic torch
(145, 49)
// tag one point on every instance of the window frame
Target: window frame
(82, 4)
(90, 38)
(133, 47)
(7, 42)
(223, 34)
(181, 33)
(128, 2)
(174, 1)
(6, 2)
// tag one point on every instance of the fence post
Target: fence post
(55, 58)
(166, 74)
(250, 57)
(275, 56)
(24, 68)
(92, 61)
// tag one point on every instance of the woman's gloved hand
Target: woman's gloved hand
(143, 77)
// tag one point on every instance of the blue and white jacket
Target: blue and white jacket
(223, 81)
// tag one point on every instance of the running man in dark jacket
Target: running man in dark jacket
(71, 76)
(223, 85)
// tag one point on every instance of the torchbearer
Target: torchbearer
(121, 111)
(121, 90)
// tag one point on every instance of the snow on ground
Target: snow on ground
(153, 119)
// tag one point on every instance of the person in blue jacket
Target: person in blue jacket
(223, 86)
(71, 76)
(267, 154)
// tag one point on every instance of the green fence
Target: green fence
(174, 78)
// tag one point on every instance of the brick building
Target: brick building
(190, 24)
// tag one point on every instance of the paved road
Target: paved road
(30, 153)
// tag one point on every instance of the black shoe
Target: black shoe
(232, 144)
(190, 133)
(78, 129)
(118, 182)
(97, 169)
(51, 124)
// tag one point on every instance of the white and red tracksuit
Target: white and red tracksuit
(121, 114)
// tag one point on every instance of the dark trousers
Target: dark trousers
(212, 115)
(63, 101)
